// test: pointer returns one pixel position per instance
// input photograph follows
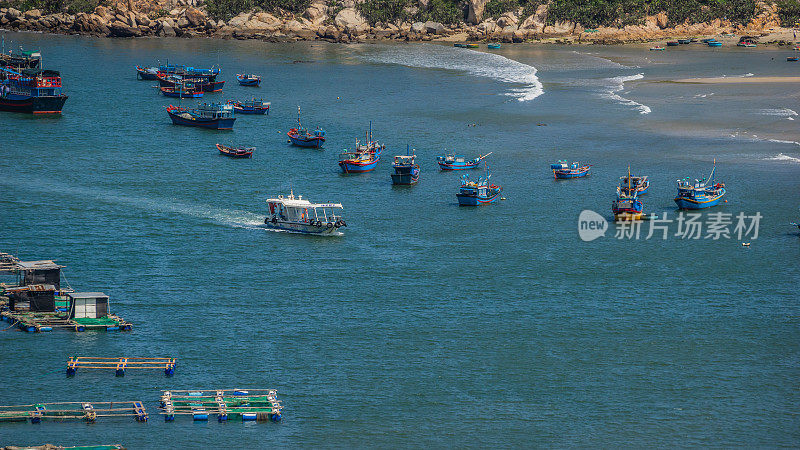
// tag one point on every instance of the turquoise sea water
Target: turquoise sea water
(425, 324)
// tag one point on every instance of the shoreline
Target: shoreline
(347, 26)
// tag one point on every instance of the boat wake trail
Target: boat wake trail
(617, 84)
(221, 216)
(786, 158)
(486, 65)
(784, 113)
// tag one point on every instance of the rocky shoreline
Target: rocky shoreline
(187, 19)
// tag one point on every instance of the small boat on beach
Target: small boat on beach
(302, 138)
(656, 49)
(459, 162)
(471, 46)
(701, 194)
(459, 45)
(406, 170)
(236, 152)
(707, 40)
(562, 170)
(301, 216)
(673, 43)
(493, 45)
(714, 44)
(182, 91)
(684, 41)
(475, 193)
(248, 80)
(640, 185)
(147, 73)
(207, 115)
(254, 106)
(792, 58)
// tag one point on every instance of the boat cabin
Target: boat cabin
(404, 160)
(450, 159)
(39, 272)
(88, 305)
(215, 111)
(298, 209)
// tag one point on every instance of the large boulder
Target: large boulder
(239, 21)
(182, 22)
(418, 27)
(662, 20)
(120, 29)
(166, 30)
(263, 21)
(316, 13)
(508, 19)
(33, 14)
(535, 21)
(475, 11)
(350, 20)
(195, 17)
(13, 14)
(434, 28)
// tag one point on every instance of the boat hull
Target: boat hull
(354, 167)
(627, 216)
(474, 200)
(240, 110)
(405, 179)
(214, 124)
(225, 151)
(691, 203)
(568, 175)
(249, 82)
(34, 105)
(448, 167)
(174, 94)
(304, 228)
(314, 142)
(145, 75)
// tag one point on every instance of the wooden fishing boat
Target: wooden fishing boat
(672, 43)
(475, 193)
(684, 41)
(714, 44)
(493, 45)
(701, 194)
(302, 138)
(208, 115)
(792, 58)
(146, 73)
(30, 90)
(364, 157)
(254, 106)
(562, 170)
(301, 216)
(640, 185)
(627, 205)
(795, 224)
(459, 162)
(471, 45)
(459, 45)
(183, 91)
(406, 171)
(248, 80)
(203, 84)
(190, 72)
(236, 152)
(656, 49)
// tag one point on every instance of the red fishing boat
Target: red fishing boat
(236, 152)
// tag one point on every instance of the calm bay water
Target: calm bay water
(425, 324)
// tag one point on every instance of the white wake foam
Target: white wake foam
(781, 141)
(486, 65)
(784, 113)
(787, 158)
(617, 84)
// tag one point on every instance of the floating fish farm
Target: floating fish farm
(259, 405)
(64, 411)
(119, 365)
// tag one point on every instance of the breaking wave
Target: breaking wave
(782, 157)
(784, 113)
(486, 65)
(781, 141)
(616, 85)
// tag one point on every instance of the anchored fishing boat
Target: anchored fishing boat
(684, 41)
(493, 46)
(147, 73)
(189, 72)
(562, 170)
(673, 43)
(701, 194)
(301, 216)
(236, 152)
(459, 162)
(714, 44)
(182, 91)
(248, 80)
(208, 115)
(627, 205)
(254, 106)
(31, 90)
(474, 193)
(359, 161)
(201, 83)
(406, 171)
(302, 138)
(629, 183)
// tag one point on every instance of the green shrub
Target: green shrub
(496, 8)
(385, 11)
(788, 12)
(443, 11)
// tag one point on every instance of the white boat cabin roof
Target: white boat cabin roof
(404, 158)
(291, 201)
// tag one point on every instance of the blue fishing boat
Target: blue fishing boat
(359, 161)
(673, 44)
(493, 46)
(627, 205)
(795, 224)
(628, 183)
(302, 138)
(248, 80)
(714, 44)
(184, 90)
(459, 162)
(475, 193)
(562, 170)
(201, 83)
(188, 71)
(208, 115)
(406, 171)
(701, 194)
(254, 106)
(31, 90)
(147, 73)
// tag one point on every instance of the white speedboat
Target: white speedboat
(299, 215)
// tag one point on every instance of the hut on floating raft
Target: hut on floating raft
(87, 305)
(34, 298)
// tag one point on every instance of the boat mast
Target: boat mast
(299, 126)
(711, 176)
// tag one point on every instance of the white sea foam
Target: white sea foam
(617, 84)
(787, 158)
(781, 141)
(487, 65)
(784, 113)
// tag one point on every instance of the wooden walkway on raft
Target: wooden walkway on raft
(250, 404)
(119, 364)
(62, 411)
(35, 322)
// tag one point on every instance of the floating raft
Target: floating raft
(119, 364)
(79, 447)
(259, 405)
(63, 411)
(35, 322)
